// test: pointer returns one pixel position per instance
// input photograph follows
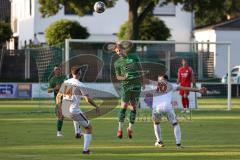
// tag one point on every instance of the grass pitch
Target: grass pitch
(212, 134)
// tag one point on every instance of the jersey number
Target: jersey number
(162, 87)
(68, 92)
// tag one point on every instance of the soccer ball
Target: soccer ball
(99, 7)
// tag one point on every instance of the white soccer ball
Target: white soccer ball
(99, 7)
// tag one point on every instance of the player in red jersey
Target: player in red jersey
(185, 78)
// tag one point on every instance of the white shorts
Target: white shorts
(79, 117)
(157, 115)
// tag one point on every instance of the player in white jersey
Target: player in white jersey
(68, 101)
(162, 105)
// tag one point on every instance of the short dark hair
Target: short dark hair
(75, 70)
(164, 76)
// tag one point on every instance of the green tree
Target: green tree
(63, 29)
(5, 32)
(210, 11)
(151, 29)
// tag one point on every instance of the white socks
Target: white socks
(120, 126)
(177, 134)
(130, 126)
(87, 140)
(76, 127)
(157, 131)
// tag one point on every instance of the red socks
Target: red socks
(185, 102)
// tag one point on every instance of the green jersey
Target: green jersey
(56, 80)
(129, 66)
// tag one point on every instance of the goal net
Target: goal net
(210, 63)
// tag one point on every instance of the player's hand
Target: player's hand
(203, 90)
(57, 87)
(143, 87)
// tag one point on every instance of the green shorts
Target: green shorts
(130, 92)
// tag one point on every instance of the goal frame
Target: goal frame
(224, 43)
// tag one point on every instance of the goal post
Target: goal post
(208, 60)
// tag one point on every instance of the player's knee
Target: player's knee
(174, 124)
(124, 105)
(88, 129)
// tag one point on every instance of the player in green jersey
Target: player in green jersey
(129, 71)
(54, 86)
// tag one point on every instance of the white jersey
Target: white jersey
(73, 90)
(163, 102)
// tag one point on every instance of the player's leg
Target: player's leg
(77, 129)
(122, 111)
(59, 121)
(156, 117)
(87, 139)
(186, 94)
(184, 103)
(176, 127)
(121, 118)
(134, 101)
(59, 127)
(83, 121)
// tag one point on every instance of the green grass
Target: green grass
(212, 134)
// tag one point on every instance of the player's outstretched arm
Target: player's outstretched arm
(56, 89)
(58, 98)
(50, 90)
(91, 101)
(200, 90)
(149, 82)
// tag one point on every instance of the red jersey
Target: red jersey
(185, 76)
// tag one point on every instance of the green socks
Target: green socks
(59, 124)
(132, 116)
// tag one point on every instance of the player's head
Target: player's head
(120, 50)
(75, 71)
(184, 62)
(163, 77)
(57, 70)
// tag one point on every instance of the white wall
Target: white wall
(26, 31)
(20, 10)
(180, 25)
(205, 36)
(234, 38)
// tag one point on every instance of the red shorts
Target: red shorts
(183, 92)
